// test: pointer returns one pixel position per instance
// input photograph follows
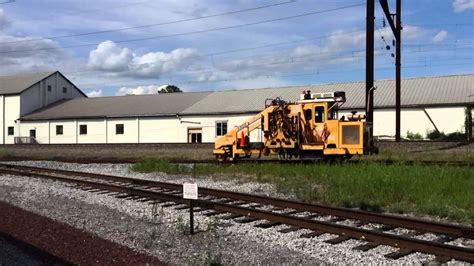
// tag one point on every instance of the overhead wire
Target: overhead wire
(316, 73)
(291, 60)
(151, 25)
(193, 32)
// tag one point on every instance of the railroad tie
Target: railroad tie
(385, 227)
(441, 260)
(361, 223)
(123, 196)
(312, 234)
(185, 207)
(444, 239)
(267, 224)
(246, 220)
(231, 216)
(289, 229)
(255, 205)
(311, 216)
(398, 254)
(145, 200)
(154, 201)
(336, 219)
(213, 213)
(171, 204)
(337, 240)
(200, 209)
(366, 247)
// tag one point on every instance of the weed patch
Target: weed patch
(444, 191)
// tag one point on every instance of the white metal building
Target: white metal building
(23, 94)
(54, 115)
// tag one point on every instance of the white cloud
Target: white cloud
(461, 5)
(440, 36)
(38, 55)
(109, 57)
(4, 20)
(94, 93)
(140, 90)
(340, 41)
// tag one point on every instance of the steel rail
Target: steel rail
(387, 219)
(403, 242)
(260, 161)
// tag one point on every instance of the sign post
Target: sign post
(190, 191)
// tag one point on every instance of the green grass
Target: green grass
(445, 191)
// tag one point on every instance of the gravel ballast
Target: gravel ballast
(160, 231)
(67, 244)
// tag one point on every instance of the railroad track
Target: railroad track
(276, 161)
(262, 161)
(244, 208)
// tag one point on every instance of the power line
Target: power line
(151, 25)
(192, 32)
(7, 2)
(441, 24)
(293, 60)
(245, 49)
(292, 75)
(424, 64)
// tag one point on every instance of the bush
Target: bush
(455, 136)
(435, 135)
(414, 136)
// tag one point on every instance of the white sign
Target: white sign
(190, 191)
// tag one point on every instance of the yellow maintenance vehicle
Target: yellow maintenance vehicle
(309, 128)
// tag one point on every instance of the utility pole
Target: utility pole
(397, 31)
(398, 78)
(369, 76)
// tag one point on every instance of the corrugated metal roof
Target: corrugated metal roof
(422, 92)
(18, 83)
(429, 91)
(120, 106)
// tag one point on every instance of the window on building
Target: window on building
(83, 130)
(49, 87)
(119, 129)
(221, 128)
(11, 131)
(319, 114)
(59, 130)
(64, 90)
(195, 135)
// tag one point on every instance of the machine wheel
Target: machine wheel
(221, 157)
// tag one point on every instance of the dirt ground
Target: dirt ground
(133, 152)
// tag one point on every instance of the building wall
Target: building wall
(2, 124)
(11, 112)
(175, 129)
(130, 134)
(447, 119)
(69, 132)
(38, 95)
(208, 125)
(12, 107)
(162, 130)
(96, 131)
(41, 128)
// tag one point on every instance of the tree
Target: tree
(169, 89)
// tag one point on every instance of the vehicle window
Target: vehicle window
(307, 115)
(332, 115)
(319, 114)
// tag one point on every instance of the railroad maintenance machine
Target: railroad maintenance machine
(309, 128)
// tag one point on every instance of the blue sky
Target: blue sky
(215, 48)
